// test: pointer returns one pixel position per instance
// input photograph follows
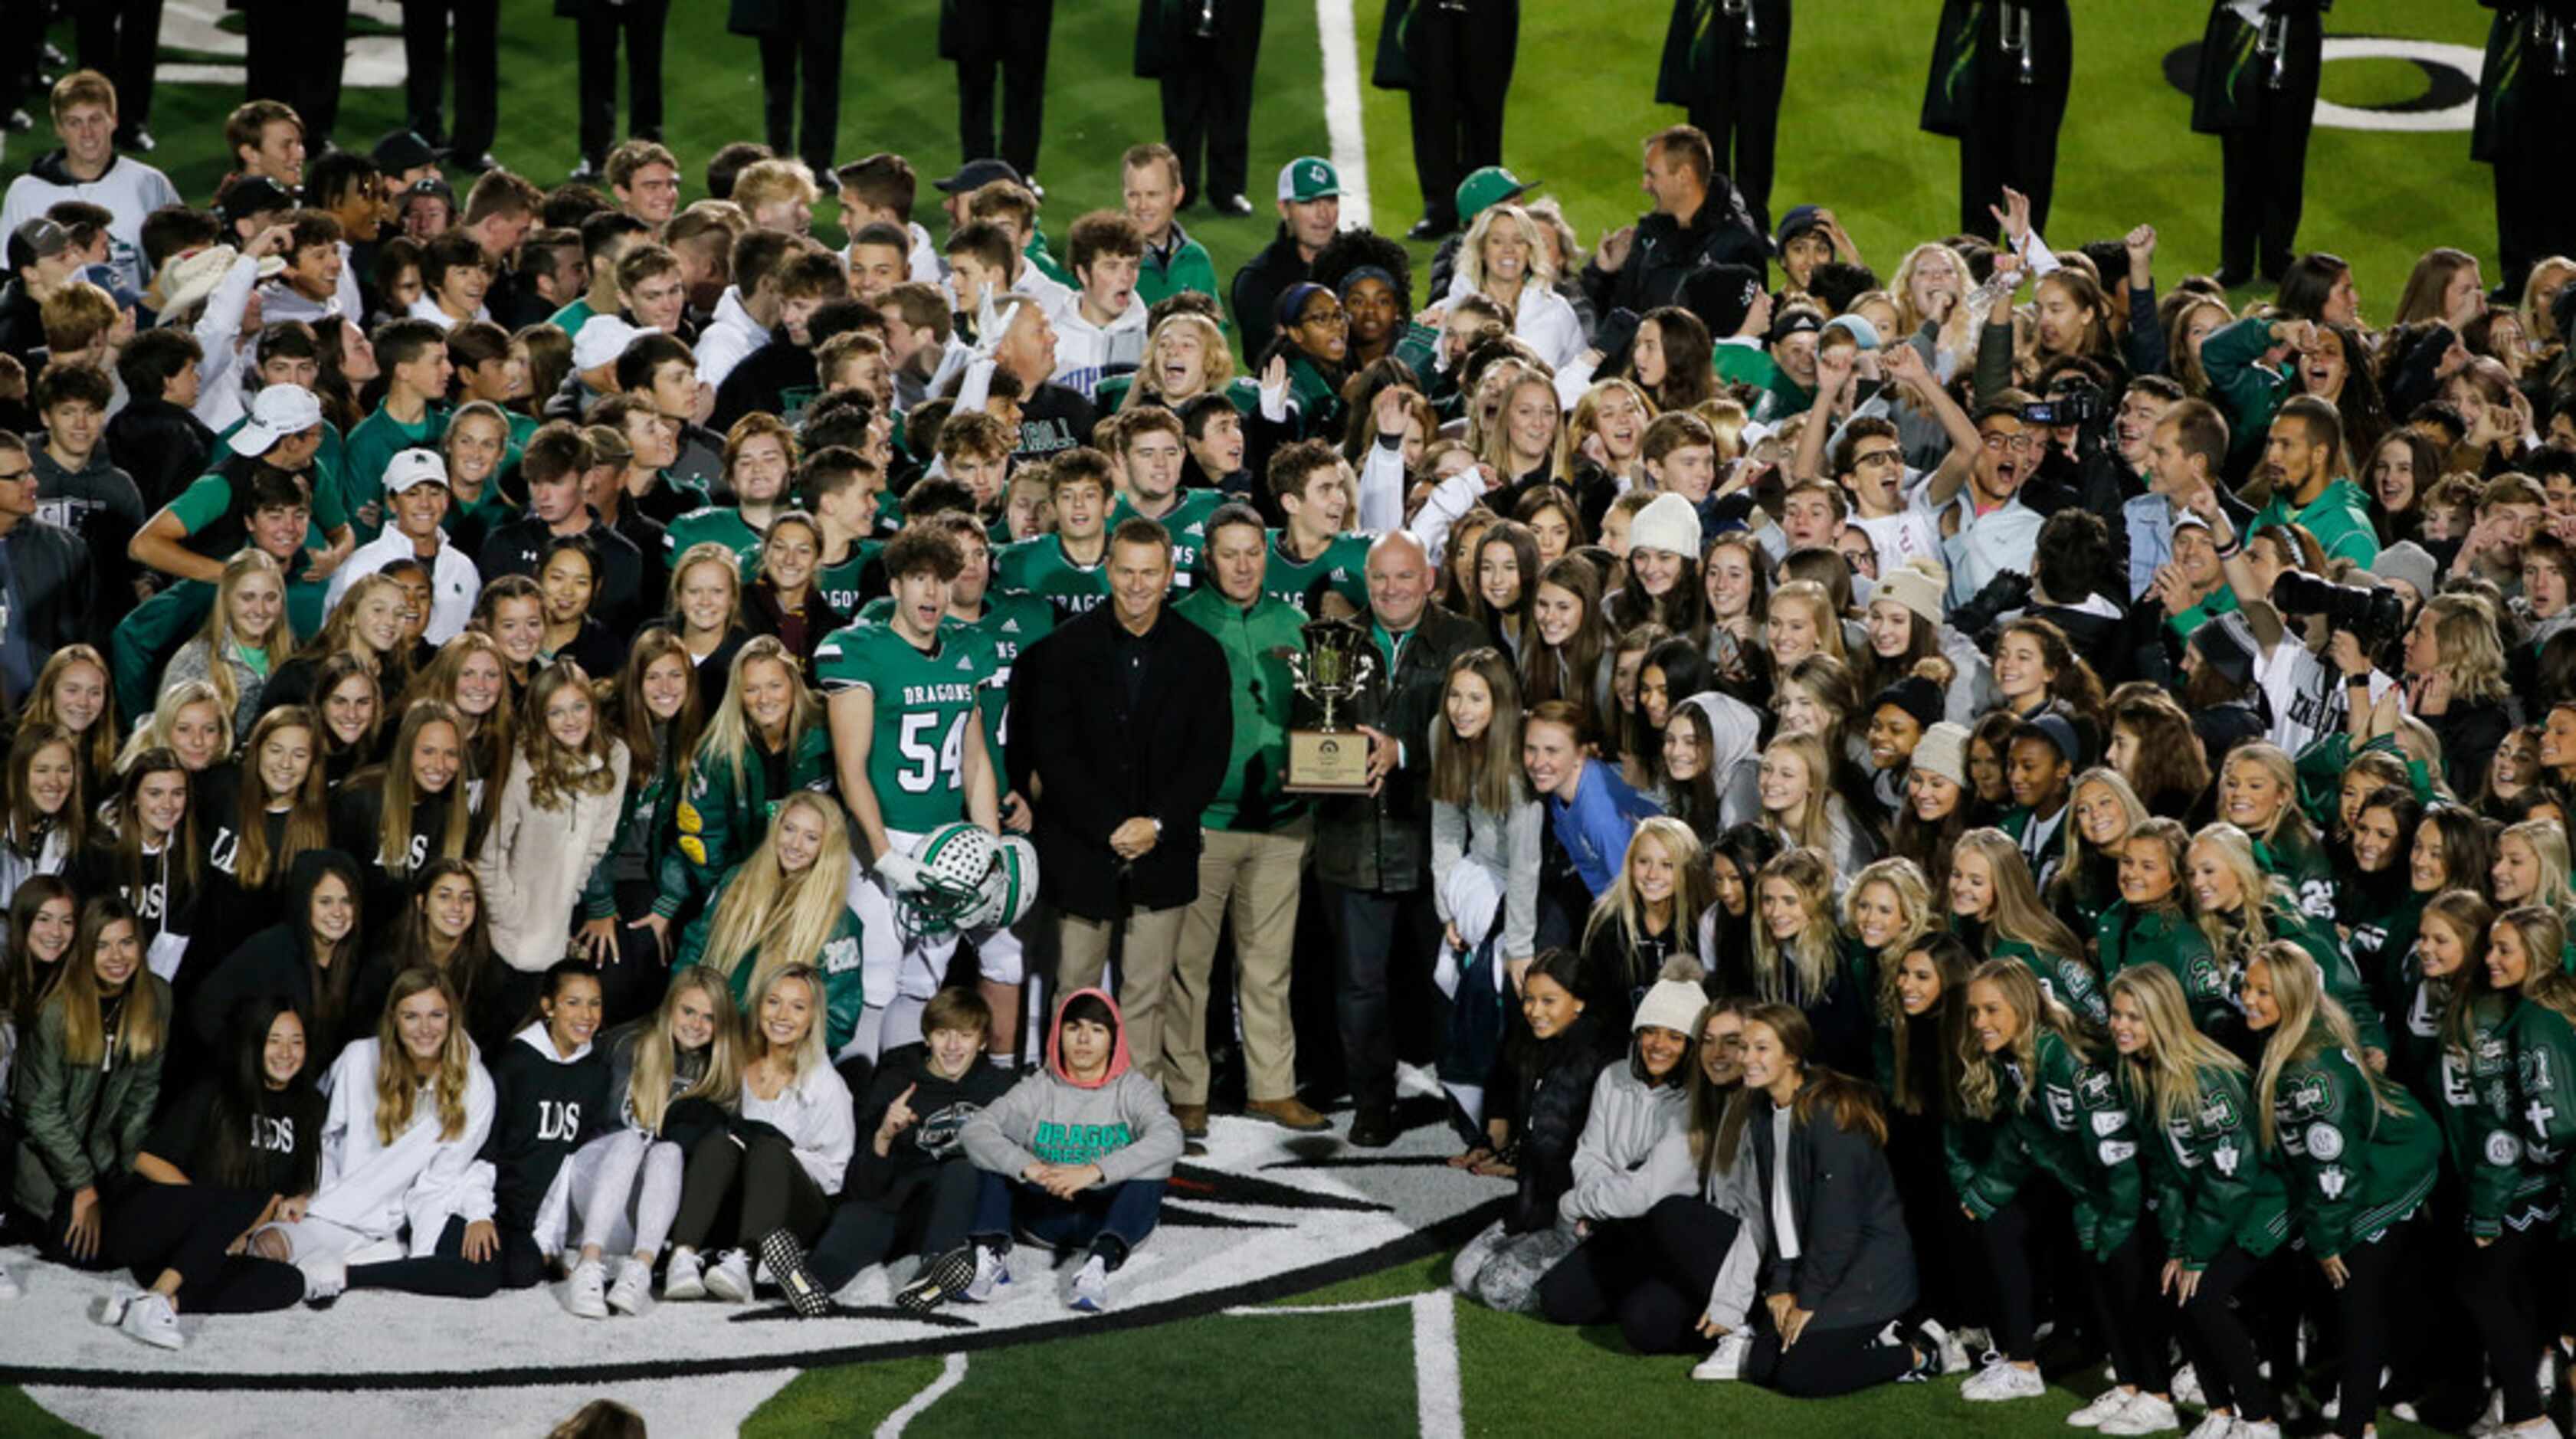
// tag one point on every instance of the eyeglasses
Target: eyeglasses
(1877, 457)
(2012, 442)
(1330, 319)
(12, 477)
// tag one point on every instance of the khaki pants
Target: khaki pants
(1144, 973)
(1254, 877)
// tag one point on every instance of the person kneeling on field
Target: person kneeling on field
(912, 1189)
(1075, 1154)
(1538, 1100)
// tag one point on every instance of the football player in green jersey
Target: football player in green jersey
(1315, 564)
(760, 453)
(844, 486)
(1150, 438)
(1009, 622)
(1066, 568)
(904, 695)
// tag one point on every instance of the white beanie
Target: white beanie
(1943, 750)
(1675, 1001)
(1918, 584)
(1667, 523)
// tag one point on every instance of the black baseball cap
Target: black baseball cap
(976, 174)
(402, 150)
(1795, 321)
(253, 195)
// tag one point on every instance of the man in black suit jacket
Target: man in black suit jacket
(1128, 714)
(45, 584)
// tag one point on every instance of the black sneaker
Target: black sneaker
(1372, 1128)
(784, 1258)
(939, 1281)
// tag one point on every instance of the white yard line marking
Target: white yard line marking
(1256, 1311)
(1438, 1406)
(952, 1372)
(1339, 35)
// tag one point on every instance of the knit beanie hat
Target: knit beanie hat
(1676, 999)
(1918, 585)
(2411, 562)
(1667, 523)
(2227, 643)
(1943, 750)
(1916, 696)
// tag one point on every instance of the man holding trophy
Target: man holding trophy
(1373, 846)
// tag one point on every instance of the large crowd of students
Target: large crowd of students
(1991, 811)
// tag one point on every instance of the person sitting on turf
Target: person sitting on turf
(1541, 1093)
(912, 1187)
(1077, 1153)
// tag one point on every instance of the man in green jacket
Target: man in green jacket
(1173, 262)
(1252, 842)
(2299, 457)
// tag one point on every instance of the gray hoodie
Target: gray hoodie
(1119, 1123)
(1614, 1176)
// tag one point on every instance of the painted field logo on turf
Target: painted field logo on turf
(1264, 1214)
(2448, 101)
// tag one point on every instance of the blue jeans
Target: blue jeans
(1111, 1219)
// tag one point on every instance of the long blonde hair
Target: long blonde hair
(784, 919)
(223, 634)
(2311, 1020)
(1216, 360)
(703, 553)
(2018, 914)
(1811, 824)
(1915, 920)
(153, 730)
(1691, 884)
(2177, 1052)
(730, 737)
(2235, 851)
(1812, 953)
(807, 1055)
(140, 1024)
(43, 708)
(2548, 842)
(656, 1054)
(2277, 766)
(396, 1086)
(1981, 1090)
(2130, 804)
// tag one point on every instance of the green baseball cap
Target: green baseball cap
(1491, 185)
(1309, 177)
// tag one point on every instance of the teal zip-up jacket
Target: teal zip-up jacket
(2127, 937)
(1189, 268)
(2354, 1169)
(843, 995)
(720, 822)
(1256, 641)
(2213, 1184)
(2069, 1124)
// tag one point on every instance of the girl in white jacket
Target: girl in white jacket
(768, 1181)
(557, 812)
(404, 1200)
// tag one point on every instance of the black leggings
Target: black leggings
(2221, 1348)
(631, 986)
(1654, 1274)
(2496, 1285)
(2362, 1323)
(187, 1227)
(755, 1182)
(2014, 1237)
(1825, 1362)
(926, 1212)
(445, 1274)
(2126, 1312)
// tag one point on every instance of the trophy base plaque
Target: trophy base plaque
(1327, 762)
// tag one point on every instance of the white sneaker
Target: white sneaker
(2105, 1404)
(2543, 1427)
(2145, 1414)
(9, 1286)
(1091, 1286)
(2003, 1381)
(1954, 1353)
(2267, 1429)
(1724, 1362)
(992, 1271)
(730, 1280)
(633, 1289)
(151, 1319)
(586, 1296)
(685, 1276)
(2186, 1388)
(2213, 1425)
(324, 1280)
(2490, 1422)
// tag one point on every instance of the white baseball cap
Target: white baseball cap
(602, 339)
(414, 467)
(276, 412)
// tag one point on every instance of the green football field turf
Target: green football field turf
(1581, 98)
